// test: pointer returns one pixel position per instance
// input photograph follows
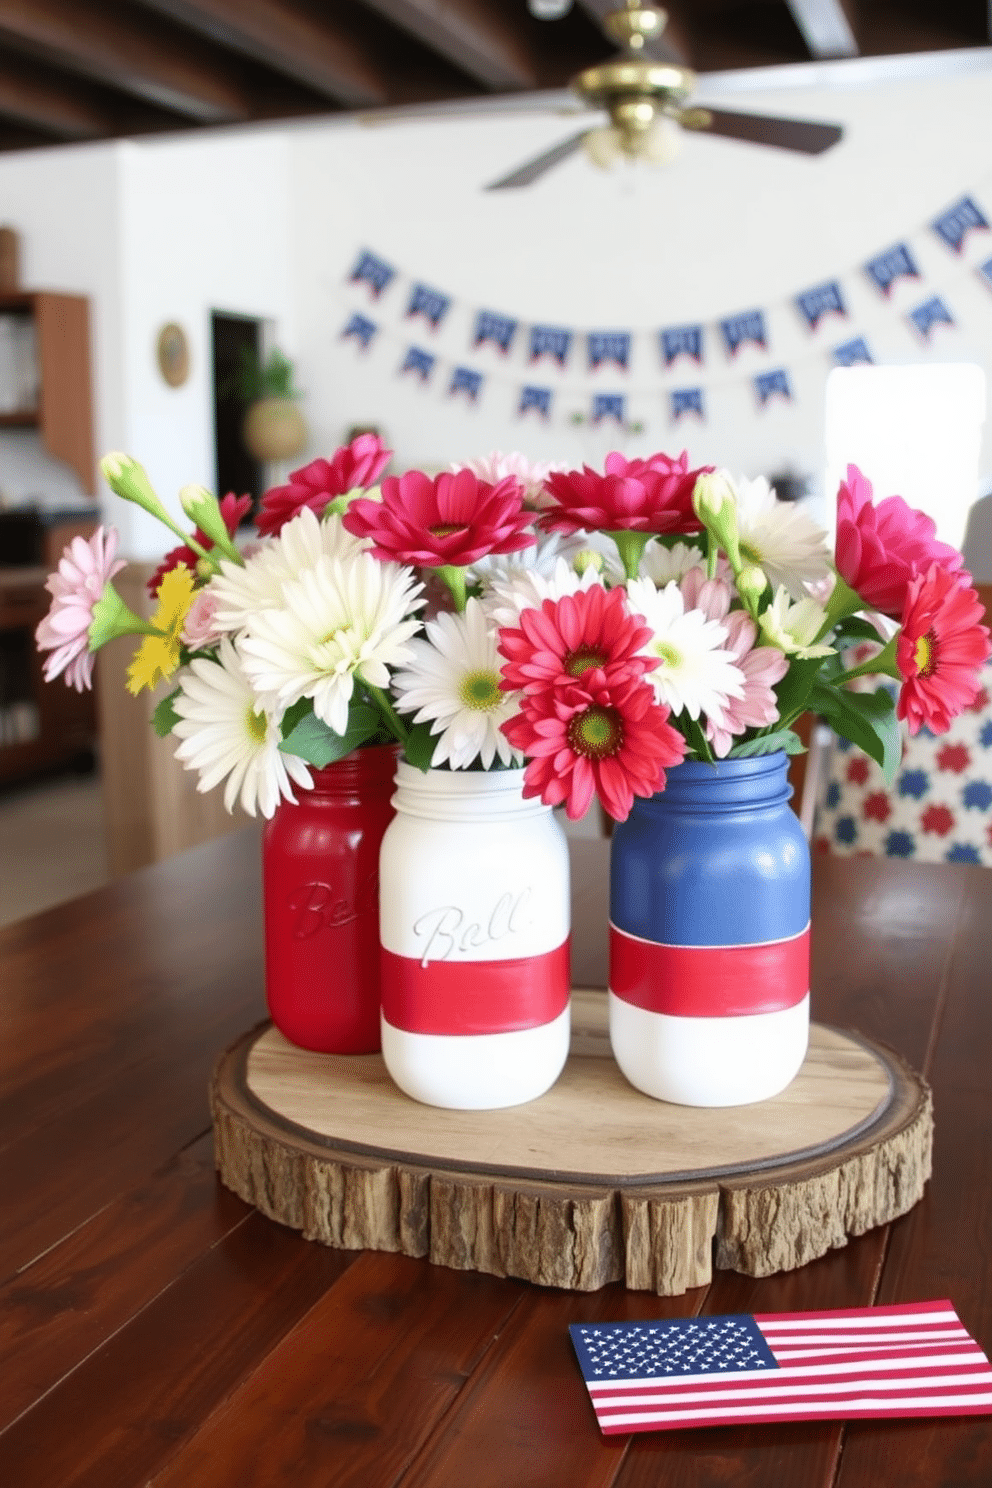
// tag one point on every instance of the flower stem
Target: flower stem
(843, 601)
(454, 577)
(631, 546)
(395, 724)
(884, 663)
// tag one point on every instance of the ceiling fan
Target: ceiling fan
(647, 105)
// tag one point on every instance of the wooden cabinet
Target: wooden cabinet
(62, 412)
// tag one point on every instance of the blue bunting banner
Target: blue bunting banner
(679, 341)
(373, 271)
(823, 299)
(932, 312)
(769, 384)
(686, 400)
(985, 270)
(362, 329)
(853, 353)
(421, 362)
(552, 341)
(954, 224)
(465, 380)
(500, 329)
(429, 303)
(535, 397)
(740, 330)
(608, 405)
(886, 268)
(609, 346)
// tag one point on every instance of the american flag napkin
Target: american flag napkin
(908, 1360)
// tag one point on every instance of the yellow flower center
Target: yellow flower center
(750, 553)
(443, 529)
(583, 661)
(480, 691)
(596, 733)
(926, 654)
(667, 653)
(256, 725)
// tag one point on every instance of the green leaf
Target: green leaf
(793, 691)
(868, 719)
(784, 739)
(854, 628)
(165, 717)
(293, 715)
(698, 743)
(420, 746)
(313, 741)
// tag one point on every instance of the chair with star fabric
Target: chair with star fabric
(938, 808)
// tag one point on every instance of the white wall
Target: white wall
(65, 206)
(728, 227)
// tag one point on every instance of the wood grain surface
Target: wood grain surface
(592, 1183)
(154, 1329)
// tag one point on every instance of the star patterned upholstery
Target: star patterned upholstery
(938, 808)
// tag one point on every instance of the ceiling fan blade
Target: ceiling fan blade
(804, 135)
(541, 163)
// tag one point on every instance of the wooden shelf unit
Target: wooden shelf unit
(64, 415)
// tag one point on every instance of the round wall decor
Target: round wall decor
(172, 351)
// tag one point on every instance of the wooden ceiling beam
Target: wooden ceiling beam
(139, 56)
(44, 103)
(312, 51)
(482, 37)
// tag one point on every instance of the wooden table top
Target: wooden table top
(156, 1330)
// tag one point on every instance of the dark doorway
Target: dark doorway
(237, 470)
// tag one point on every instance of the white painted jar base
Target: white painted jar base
(709, 1061)
(478, 1071)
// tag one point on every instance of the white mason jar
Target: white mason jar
(474, 917)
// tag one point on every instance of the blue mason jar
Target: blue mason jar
(709, 935)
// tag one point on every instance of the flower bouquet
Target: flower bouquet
(582, 632)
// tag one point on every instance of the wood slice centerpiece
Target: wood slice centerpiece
(592, 1183)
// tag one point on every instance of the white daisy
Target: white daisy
(793, 628)
(337, 621)
(662, 564)
(242, 592)
(453, 683)
(695, 671)
(780, 538)
(226, 734)
(528, 588)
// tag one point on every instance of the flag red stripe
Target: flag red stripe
(964, 1378)
(973, 1361)
(866, 1315)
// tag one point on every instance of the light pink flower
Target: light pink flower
(712, 596)
(84, 570)
(880, 548)
(762, 666)
(201, 628)
(532, 474)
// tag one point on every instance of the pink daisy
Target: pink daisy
(85, 569)
(233, 509)
(354, 466)
(653, 495)
(606, 737)
(940, 649)
(588, 635)
(762, 667)
(880, 548)
(450, 521)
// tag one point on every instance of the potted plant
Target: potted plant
(273, 428)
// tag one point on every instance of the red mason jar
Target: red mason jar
(320, 874)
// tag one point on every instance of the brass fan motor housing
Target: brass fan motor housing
(635, 93)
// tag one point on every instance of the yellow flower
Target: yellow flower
(158, 655)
